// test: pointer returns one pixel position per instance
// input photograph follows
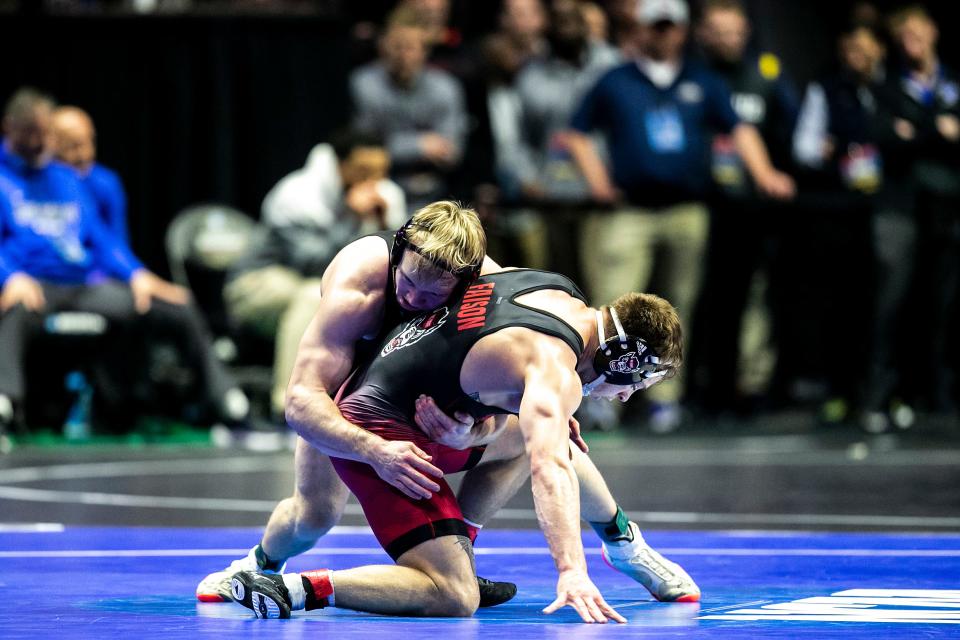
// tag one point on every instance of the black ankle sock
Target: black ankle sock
(264, 562)
(616, 530)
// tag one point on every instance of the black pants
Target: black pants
(825, 280)
(744, 237)
(180, 324)
(917, 256)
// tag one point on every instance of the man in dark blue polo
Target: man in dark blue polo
(658, 114)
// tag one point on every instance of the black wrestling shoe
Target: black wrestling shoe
(494, 593)
(263, 593)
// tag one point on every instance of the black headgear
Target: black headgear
(622, 359)
(401, 242)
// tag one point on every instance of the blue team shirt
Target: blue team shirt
(659, 139)
(109, 197)
(51, 230)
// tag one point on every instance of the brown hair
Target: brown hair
(655, 321)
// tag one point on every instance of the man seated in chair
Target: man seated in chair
(341, 193)
(54, 250)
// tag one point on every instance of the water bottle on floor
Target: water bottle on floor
(77, 425)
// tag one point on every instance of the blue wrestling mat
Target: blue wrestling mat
(79, 582)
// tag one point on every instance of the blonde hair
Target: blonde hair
(448, 235)
(655, 321)
(722, 5)
(898, 18)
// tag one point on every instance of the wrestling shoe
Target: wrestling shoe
(494, 593)
(665, 580)
(264, 594)
(216, 586)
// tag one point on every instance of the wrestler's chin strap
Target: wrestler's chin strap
(596, 382)
(590, 386)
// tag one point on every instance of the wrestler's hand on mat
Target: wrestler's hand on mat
(407, 467)
(454, 431)
(574, 588)
(576, 437)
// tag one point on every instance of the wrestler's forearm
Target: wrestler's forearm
(549, 398)
(316, 418)
(557, 501)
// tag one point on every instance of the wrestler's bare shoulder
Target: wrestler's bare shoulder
(362, 267)
(516, 346)
(497, 366)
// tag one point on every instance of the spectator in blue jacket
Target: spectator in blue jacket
(52, 243)
(75, 144)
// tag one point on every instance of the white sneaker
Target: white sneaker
(6, 419)
(665, 580)
(875, 422)
(6, 410)
(903, 415)
(236, 405)
(216, 586)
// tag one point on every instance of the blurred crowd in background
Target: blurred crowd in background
(807, 232)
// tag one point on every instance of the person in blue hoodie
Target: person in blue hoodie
(54, 250)
(75, 144)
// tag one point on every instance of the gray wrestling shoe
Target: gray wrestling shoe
(665, 580)
(216, 586)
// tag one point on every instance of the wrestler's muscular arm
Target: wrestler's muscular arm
(351, 308)
(551, 394)
(537, 375)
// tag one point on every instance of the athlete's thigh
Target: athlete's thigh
(448, 560)
(316, 481)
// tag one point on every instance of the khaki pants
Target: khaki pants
(660, 250)
(275, 302)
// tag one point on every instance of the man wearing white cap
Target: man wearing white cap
(658, 114)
